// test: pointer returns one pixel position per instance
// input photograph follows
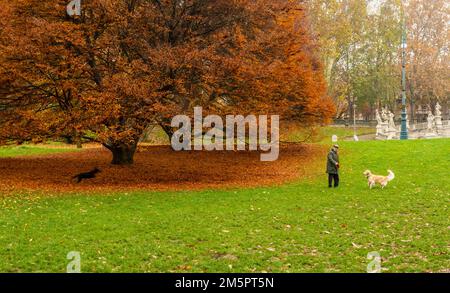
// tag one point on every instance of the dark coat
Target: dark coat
(332, 159)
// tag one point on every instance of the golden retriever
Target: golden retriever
(372, 179)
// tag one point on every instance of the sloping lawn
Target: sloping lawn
(324, 134)
(300, 227)
(28, 150)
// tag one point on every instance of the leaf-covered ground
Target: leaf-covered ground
(298, 227)
(155, 168)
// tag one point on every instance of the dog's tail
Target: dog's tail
(391, 175)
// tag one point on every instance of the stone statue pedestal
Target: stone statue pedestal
(384, 127)
(430, 135)
(380, 130)
(438, 121)
(391, 134)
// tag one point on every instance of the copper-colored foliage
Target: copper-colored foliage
(155, 168)
(125, 65)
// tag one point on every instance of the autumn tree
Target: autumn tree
(340, 27)
(360, 46)
(428, 53)
(378, 82)
(123, 65)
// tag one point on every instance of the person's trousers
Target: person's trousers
(332, 177)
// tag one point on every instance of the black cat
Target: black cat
(87, 175)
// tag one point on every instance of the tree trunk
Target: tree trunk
(78, 140)
(76, 137)
(350, 112)
(122, 154)
(167, 129)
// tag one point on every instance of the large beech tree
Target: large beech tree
(123, 65)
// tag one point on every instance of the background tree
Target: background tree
(360, 47)
(340, 28)
(378, 83)
(428, 55)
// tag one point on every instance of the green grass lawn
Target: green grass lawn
(299, 227)
(27, 150)
(324, 134)
(344, 132)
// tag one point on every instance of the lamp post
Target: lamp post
(404, 128)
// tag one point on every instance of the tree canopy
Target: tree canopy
(123, 65)
(360, 46)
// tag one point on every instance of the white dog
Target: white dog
(372, 179)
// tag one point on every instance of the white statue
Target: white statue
(384, 120)
(384, 114)
(378, 117)
(430, 121)
(438, 110)
(379, 123)
(391, 121)
(438, 117)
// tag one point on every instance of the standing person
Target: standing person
(333, 166)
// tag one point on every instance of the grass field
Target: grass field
(28, 150)
(298, 227)
(323, 134)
